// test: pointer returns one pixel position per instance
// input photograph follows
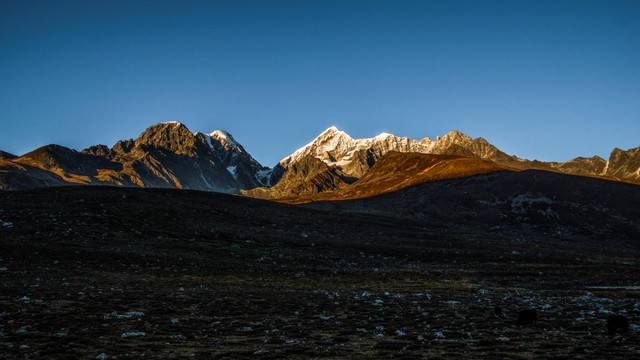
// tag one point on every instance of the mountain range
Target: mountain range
(332, 166)
(166, 155)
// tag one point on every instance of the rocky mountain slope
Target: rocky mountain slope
(624, 164)
(170, 155)
(343, 160)
(164, 155)
(396, 171)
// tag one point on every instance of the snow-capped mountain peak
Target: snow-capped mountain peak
(225, 138)
(336, 148)
(242, 166)
(382, 136)
(328, 141)
(177, 123)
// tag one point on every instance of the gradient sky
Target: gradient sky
(546, 80)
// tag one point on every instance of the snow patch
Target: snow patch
(342, 162)
(335, 147)
(382, 136)
(205, 180)
(232, 171)
(208, 139)
(264, 177)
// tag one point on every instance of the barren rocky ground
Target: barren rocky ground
(117, 273)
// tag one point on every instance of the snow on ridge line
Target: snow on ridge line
(220, 135)
(382, 136)
(329, 139)
(224, 135)
(331, 130)
(172, 122)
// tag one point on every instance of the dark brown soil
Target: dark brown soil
(92, 272)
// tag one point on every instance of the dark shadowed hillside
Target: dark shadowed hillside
(105, 272)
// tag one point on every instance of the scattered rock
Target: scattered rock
(133, 334)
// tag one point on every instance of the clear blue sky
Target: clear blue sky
(547, 80)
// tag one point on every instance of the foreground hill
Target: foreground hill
(106, 272)
(395, 171)
(554, 205)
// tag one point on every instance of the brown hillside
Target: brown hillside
(396, 171)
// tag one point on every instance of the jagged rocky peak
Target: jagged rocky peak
(350, 157)
(594, 165)
(224, 145)
(333, 131)
(227, 140)
(326, 141)
(172, 136)
(456, 136)
(457, 143)
(624, 164)
(99, 150)
(336, 147)
(246, 170)
(330, 140)
(124, 146)
(427, 141)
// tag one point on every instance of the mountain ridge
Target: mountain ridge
(163, 155)
(170, 155)
(350, 159)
